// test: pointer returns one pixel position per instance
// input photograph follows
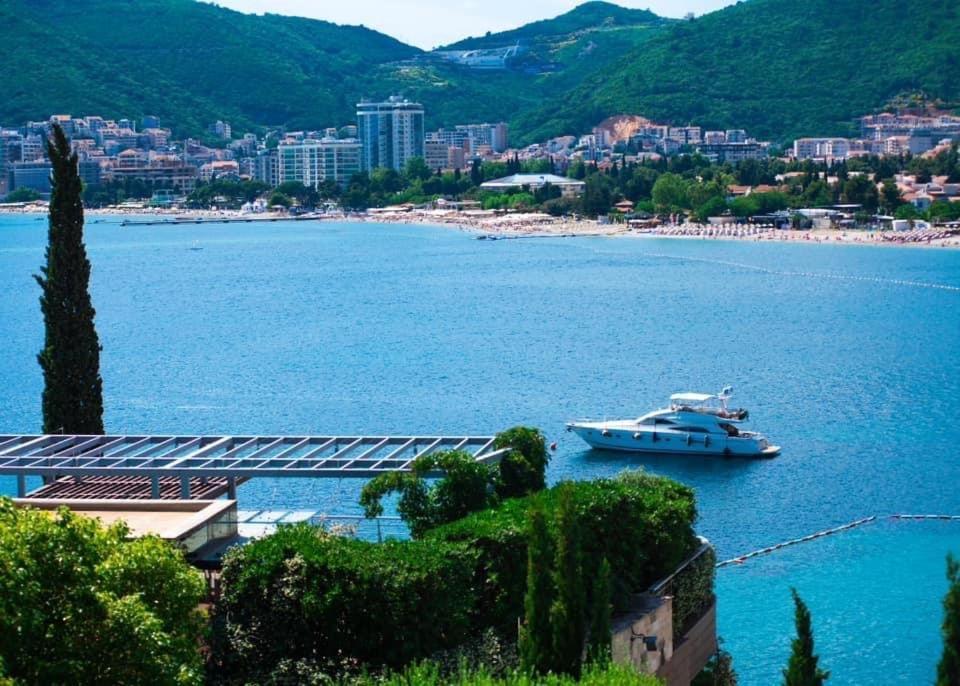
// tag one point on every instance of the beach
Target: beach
(533, 224)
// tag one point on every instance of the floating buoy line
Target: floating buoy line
(818, 275)
(740, 559)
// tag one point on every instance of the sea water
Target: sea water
(848, 357)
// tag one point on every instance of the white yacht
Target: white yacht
(694, 424)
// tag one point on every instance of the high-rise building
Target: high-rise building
(266, 167)
(391, 133)
(311, 161)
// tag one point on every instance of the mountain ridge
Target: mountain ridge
(775, 67)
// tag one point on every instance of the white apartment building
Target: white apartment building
(821, 148)
(311, 161)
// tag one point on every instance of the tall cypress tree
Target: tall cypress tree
(568, 612)
(599, 648)
(803, 670)
(535, 636)
(70, 359)
(948, 671)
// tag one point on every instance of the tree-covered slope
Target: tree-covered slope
(186, 61)
(779, 68)
(560, 53)
(587, 16)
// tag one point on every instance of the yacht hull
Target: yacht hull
(643, 440)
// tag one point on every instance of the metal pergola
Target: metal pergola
(194, 461)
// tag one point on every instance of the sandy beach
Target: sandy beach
(532, 225)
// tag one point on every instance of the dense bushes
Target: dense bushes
(302, 600)
(332, 603)
(642, 524)
(524, 469)
(427, 674)
(465, 486)
(81, 604)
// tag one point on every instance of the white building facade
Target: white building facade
(312, 161)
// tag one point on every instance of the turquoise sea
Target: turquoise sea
(848, 357)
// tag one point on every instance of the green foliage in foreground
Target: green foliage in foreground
(334, 603)
(303, 599)
(427, 674)
(536, 640)
(464, 486)
(948, 670)
(81, 604)
(642, 524)
(803, 668)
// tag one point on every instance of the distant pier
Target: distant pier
(246, 219)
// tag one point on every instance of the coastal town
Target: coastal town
(482, 183)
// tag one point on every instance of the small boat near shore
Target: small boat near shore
(693, 424)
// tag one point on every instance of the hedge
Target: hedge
(692, 591)
(431, 674)
(302, 594)
(642, 524)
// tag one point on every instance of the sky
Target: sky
(431, 23)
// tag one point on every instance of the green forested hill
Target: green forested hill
(588, 16)
(779, 68)
(188, 62)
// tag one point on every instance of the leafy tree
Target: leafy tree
(416, 169)
(745, 206)
(803, 668)
(80, 603)
(906, 211)
(597, 195)
(384, 181)
(948, 669)
(536, 639)
(714, 207)
(278, 199)
(306, 196)
(670, 193)
(567, 614)
(860, 190)
(524, 470)
(22, 195)
(70, 359)
(466, 486)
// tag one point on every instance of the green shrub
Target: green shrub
(642, 524)
(427, 674)
(524, 469)
(692, 591)
(466, 486)
(304, 595)
(80, 603)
